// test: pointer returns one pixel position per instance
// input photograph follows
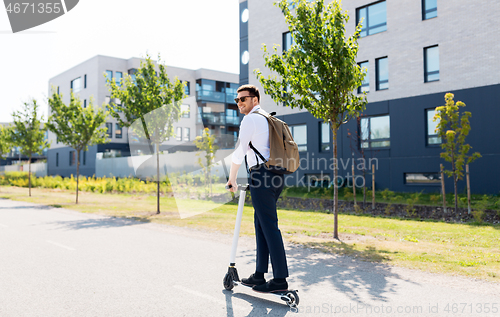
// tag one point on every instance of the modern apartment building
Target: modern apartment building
(209, 103)
(415, 51)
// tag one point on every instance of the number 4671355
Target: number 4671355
(26, 7)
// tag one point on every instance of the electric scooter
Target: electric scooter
(231, 278)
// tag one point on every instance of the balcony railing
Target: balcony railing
(219, 119)
(210, 95)
(214, 118)
(230, 97)
(233, 120)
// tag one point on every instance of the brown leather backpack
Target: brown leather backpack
(284, 152)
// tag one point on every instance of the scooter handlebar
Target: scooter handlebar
(240, 187)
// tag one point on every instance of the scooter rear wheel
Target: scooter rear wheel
(293, 299)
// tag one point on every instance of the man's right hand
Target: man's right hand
(234, 186)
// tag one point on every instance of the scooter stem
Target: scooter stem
(239, 215)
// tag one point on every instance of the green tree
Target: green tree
(453, 127)
(76, 126)
(5, 144)
(206, 143)
(28, 134)
(319, 72)
(152, 98)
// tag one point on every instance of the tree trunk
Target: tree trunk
(158, 178)
(353, 184)
(364, 186)
(335, 187)
(456, 191)
(29, 175)
(454, 181)
(210, 181)
(77, 172)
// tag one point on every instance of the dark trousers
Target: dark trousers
(265, 188)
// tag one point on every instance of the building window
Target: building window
(187, 133)
(109, 75)
(132, 72)
(85, 103)
(232, 117)
(325, 136)
(109, 126)
(109, 153)
(292, 5)
(365, 85)
(431, 63)
(432, 137)
(178, 134)
(187, 88)
(299, 134)
(118, 131)
(118, 78)
(429, 9)
(382, 73)
(76, 84)
(375, 132)
(287, 41)
(71, 158)
(58, 90)
(374, 18)
(85, 81)
(57, 159)
(423, 178)
(185, 111)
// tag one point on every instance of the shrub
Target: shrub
(348, 193)
(479, 208)
(435, 198)
(386, 194)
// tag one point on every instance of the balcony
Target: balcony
(210, 95)
(230, 97)
(214, 118)
(233, 120)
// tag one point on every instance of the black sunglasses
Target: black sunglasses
(237, 100)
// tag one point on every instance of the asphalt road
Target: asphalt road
(56, 262)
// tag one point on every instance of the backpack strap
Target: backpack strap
(253, 147)
(257, 153)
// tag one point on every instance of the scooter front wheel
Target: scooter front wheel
(228, 282)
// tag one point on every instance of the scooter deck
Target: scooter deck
(281, 294)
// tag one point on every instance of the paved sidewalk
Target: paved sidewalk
(57, 262)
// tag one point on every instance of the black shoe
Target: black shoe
(270, 287)
(252, 281)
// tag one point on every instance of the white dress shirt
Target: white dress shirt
(254, 128)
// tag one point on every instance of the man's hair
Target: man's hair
(251, 89)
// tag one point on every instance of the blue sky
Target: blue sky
(189, 33)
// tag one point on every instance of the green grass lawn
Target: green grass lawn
(386, 196)
(459, 249)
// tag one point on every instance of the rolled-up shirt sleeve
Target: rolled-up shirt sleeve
(247, 129)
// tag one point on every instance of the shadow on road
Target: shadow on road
(112, 222)
(352, 277)
(361, 281)
(27, 207)
(260, 305)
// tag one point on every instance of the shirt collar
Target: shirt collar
(257, 107)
